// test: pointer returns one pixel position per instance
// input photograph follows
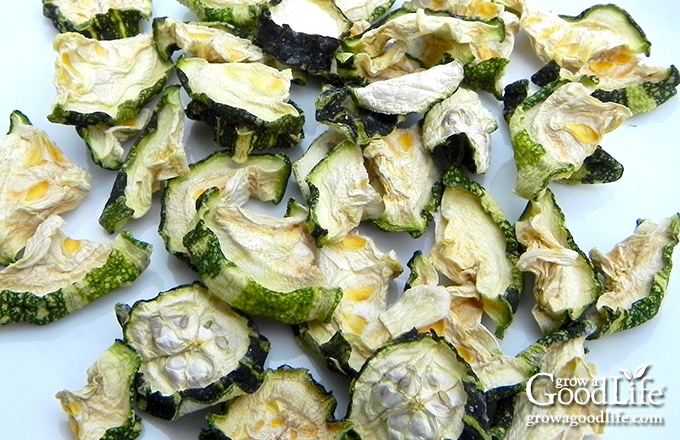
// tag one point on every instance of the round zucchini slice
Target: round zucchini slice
(417, 387)
(289, 404)
(196, 351)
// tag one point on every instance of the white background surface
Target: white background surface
(36, 362)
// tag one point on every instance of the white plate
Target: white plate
(36, 362)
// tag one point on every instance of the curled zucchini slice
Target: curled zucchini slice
(364, 273)
(157, 156)
(102, 20)
(195, 350)
(104, 408)
(214, 42)
(57, 275)
(247, 105)
(243, 15)
(263, 177)
(106, 142)
(407, 178)
(105, 81)
(260, 264)
(565, 283)
(554, 130)
(636, 273)
(289, 404)
(36, 181)
(475, 247)
(461, 126)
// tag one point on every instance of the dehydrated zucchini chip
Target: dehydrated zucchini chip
(340, 194)
(364, 273)
(364, 12)
(565, 283)
(304, 34)
(36, 180)
(260, 264)
(101, 20)
(242, 14)
(461, 127)
(195, 350)
(636, 273)
(57, 275)
(336, 108)
(289, 404)
(554, 130)
(105, 81)
(263, 177)
(410, 93)
(562, 356)
(411, 39)
(407, 177)
(104, 408)
(214, 42)
(158, 155)
(247, 105)
(106, 142)
(475, 247)
(417, 387)
(605, 43)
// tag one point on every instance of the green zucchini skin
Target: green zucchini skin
(129, 258)
(112, 25)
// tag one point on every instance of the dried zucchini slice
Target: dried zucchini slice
(247, 105)
(411, 39)
(262, 265)
(364, 273)
(105, 81)
(475, 246)
(362, 11)
(636, 273)
(36, 180)
(195, 350)
(304, 34)
(411, 93)
(242, 14)
(417, 387)
(317, 150)
(486, 73)
(554, 130)
(157, 156)
(214, 42)
(340, 194)
(101, 20)
(603, 42)
(461, 126)
(264, 177)
(565, 283)
(336, 108)
(57, 275)
(408, 179)
(104, 408)
(562, 356)
(289, 404)
(105, 142)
